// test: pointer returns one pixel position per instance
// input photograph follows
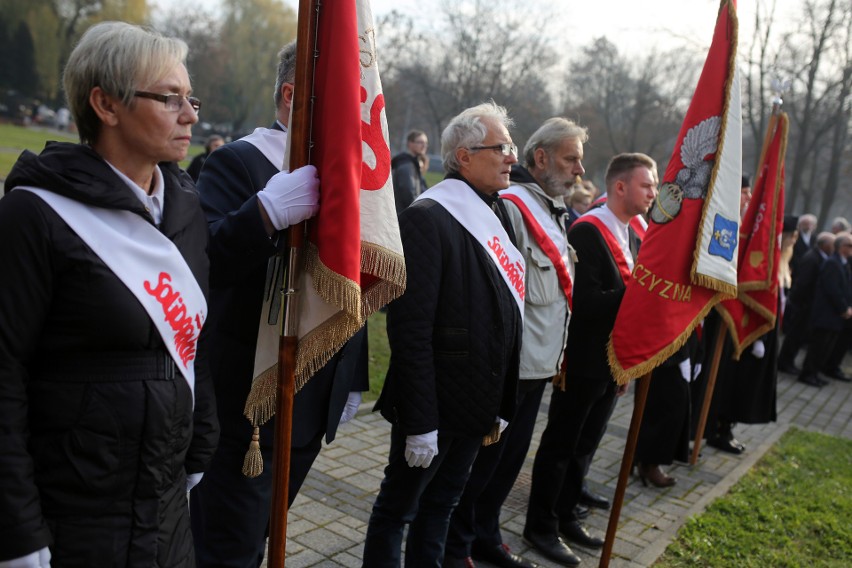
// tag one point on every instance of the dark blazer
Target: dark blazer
(239, 250)
(833, 295)
(454, 335)
(804, 287)
(598, 291)
(800, 249)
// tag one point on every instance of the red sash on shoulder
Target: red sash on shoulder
(546, 244)
(635, 222)
(610, 241)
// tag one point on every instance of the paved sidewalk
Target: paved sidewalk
(328, 520)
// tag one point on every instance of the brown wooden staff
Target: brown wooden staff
(300, 136)
(642, 387)
(708, 392)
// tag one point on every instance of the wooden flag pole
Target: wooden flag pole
(642, 387)
(708, 393)
(300, 136)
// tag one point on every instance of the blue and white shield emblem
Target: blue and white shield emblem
(725, 235)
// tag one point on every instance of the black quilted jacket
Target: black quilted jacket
(454, 334)
(93, 463)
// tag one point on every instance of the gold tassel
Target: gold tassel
(253, 462)
(493, 436)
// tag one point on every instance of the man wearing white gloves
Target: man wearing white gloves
(454, 337)
(249, 202)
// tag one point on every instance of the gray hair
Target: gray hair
(117, 57)
(466, 130)
(550, 135)
(840, 224)
(286, 69)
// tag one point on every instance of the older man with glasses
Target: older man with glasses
(454, 337)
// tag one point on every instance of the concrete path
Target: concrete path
(328, 520)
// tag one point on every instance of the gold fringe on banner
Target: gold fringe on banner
(624, 376)
(317, 347)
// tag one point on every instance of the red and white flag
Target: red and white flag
(755, 309)
(354, 259)
(688, 259)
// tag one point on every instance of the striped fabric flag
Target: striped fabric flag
(688, 259)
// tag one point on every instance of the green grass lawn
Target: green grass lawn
(793, 509)
(379, 353)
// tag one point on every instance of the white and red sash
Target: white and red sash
(483, 225)
(611, 243)
(546, 233)
(637, 223)
(151, 267)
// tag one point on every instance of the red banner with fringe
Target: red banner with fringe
(688, 259)
(755, 309)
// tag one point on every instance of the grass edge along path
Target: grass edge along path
(794, 508)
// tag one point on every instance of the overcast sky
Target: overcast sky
(630, 24)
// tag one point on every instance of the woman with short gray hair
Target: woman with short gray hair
(106, 407)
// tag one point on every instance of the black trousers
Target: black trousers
(580, 412)
(477, 516)
(820, 347)
(664, 433)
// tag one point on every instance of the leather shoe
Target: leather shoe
(501, 556)
(458, 562)
(581, 512)
(653, 474)
(732, 446)
(593, 499)
(812, 380)
(575, 532)
(552, 548)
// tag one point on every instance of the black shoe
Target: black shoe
(812, 380)
(789, 368)
(593, 499)
(581, 512)
(502, 556)
(838, 375)
(575, 532)
(552, 548)
(731, 446)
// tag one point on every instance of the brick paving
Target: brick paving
(328, 520)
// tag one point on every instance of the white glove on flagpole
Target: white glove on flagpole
(291, 197)
(421, 449)
(37, 559)
(352, 405)
(758, 349)
(685, 370)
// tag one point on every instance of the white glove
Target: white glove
(351, 407)
(696, 370)
(685, 370)
(193, 479)
(37, 559)
(291, 197)
(502, 423)
(421, 449)
(758, 349)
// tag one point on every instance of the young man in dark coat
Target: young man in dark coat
(249, 202)
(454, 338)
(408, 181)
(606, 247)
